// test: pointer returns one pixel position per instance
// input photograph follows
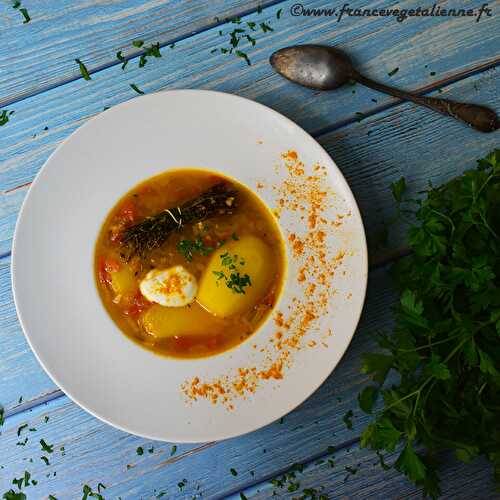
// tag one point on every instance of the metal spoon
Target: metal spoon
(326, 68)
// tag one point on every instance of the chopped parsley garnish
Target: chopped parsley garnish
(138, 43)
(46, 447)
(83, 70)
(16, 4)
(22, 443)
(100, 487)
(122, 59)
(45, 459)
(240, 34)
(243, 496)
(20, 400)
(4, 116)
(235, 281)
(87, 492)
(25, 14)
(136, 88)
(173, 450)
(21, 428)
(234, 472)
(52, 497)
(151, 450)
(244, 56)
(347, 419)
(140, 450)
(393, 72)
(2, 416)
(12, 495)
(189, 247)
(46, 418)
(182, 484)
(265, 27)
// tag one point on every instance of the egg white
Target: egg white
(172, 287)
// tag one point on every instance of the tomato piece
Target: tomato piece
(107, 265)
(111, 265)
(128, 211)
(137, 305)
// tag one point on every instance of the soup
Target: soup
(189, 263)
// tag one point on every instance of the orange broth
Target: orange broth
(118, 276)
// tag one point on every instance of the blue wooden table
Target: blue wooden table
(373, 138)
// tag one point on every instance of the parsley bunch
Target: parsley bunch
(445, 347)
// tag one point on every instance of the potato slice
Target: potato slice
(123, 281)
(162, 322)
(217, 297)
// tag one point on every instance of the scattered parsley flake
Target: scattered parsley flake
(12, 495)
(140, 450)
(393, 72)
(25, 14)
(243, 496)
(83, 70)
(122, 59)
(244, 56)
(278, 14)
(173, 450)
(182, 484)
(188, 248)
(45, 459)
(347, 419)
(265, 27)
(136, 88)
(234, 472)
(21, 428)
(138, 43)
(46, 447)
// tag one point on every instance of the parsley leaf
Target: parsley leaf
(444, 348)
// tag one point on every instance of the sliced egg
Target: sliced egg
(172, 287)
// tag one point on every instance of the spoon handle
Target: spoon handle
(477, 117)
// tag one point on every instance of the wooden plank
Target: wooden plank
(369, 152)
(93, 447)
(370, 164)
(370, 481)
(40, 55)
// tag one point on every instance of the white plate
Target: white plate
(65, 323)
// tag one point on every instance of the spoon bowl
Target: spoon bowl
(313, 66)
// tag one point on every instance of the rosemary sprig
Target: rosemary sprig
(153, 231)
